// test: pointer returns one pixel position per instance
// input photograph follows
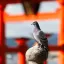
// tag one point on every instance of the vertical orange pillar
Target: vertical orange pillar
(2, 44)
(21, 58)
(61, 33)
(23, 48)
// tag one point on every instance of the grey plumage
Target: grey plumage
(38, 53)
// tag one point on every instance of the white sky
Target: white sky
(25, 29)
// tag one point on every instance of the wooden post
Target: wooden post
(2, 43)
(21, 54)
(21, 58)
(61, 33)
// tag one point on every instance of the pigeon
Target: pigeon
(37, 54)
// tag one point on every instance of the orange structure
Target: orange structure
(21, 49)
(31, 17)
(61, 33)
(2, 38)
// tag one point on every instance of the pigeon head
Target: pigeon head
(35, 23)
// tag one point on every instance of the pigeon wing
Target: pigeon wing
(42, 38)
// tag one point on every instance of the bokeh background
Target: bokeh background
(18, 16)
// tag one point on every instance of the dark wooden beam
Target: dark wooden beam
(23, 49)
(21, 1)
